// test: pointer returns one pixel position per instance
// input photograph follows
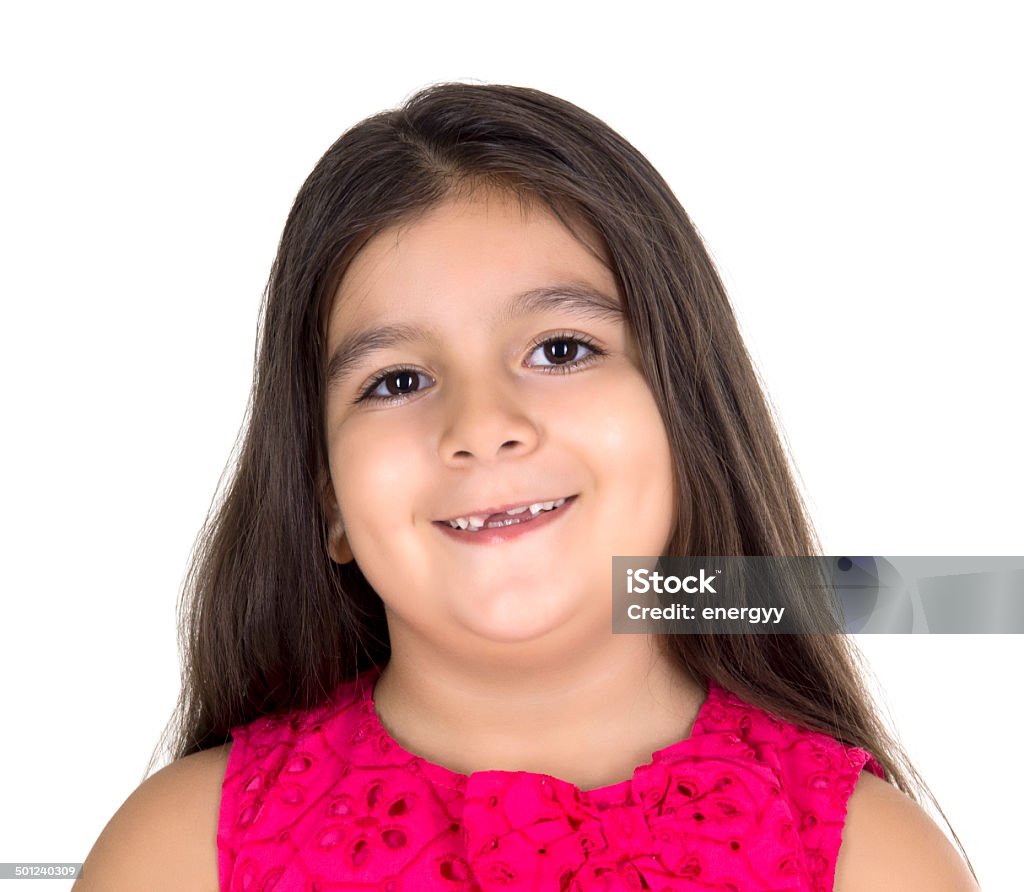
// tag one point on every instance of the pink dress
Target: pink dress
(325, 799)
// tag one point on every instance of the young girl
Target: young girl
(494, 354)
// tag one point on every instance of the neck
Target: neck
(589, 719)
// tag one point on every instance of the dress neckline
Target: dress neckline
(601, 796)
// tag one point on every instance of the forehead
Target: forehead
(481, 247)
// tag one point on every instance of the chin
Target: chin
(515, 622)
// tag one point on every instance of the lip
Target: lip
(487, 512)
(498, 535)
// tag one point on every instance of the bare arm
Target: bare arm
(164, 836)
(890, 842)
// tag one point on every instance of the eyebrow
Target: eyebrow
(582, 300)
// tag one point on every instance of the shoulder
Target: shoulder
(164, 836)
(890, 842)
(874, 835)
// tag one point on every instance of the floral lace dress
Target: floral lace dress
(326, 799)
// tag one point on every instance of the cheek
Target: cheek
(627, 429)
(376, 483)
(630, 446)
(372, 478)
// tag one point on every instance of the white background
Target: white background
(855, 172)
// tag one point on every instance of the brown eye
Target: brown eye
(398, 383)
(561, 351)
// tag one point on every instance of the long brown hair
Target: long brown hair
(269, 623)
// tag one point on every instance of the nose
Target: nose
(486, 421)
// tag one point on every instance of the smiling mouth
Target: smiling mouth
(513, 517)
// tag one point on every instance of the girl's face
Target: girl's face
(469, 397)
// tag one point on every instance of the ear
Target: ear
(337, 542)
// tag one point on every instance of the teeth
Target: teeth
(476, 522)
